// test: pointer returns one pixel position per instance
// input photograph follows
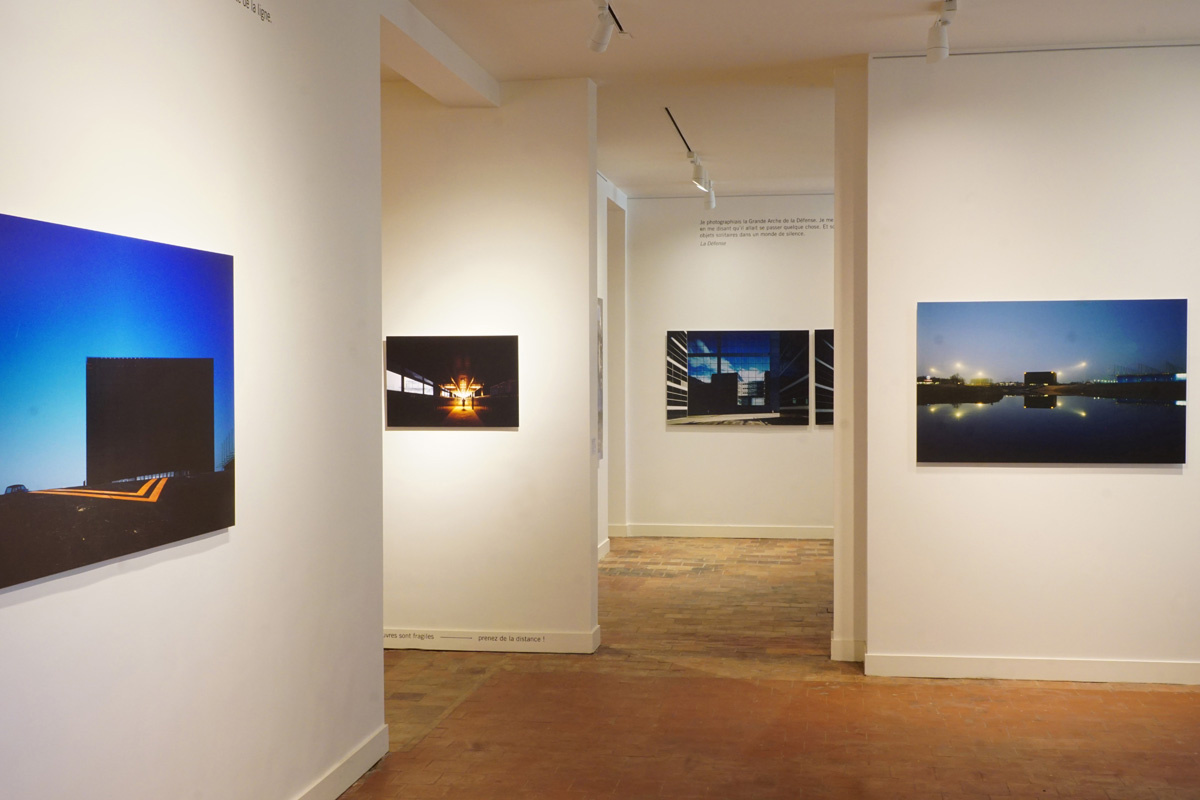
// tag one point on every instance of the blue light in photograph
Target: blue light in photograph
(69, 294)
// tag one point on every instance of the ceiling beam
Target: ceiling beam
(418, 51)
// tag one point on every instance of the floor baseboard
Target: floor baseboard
(1033, 669)
(725, 531)
(341, 776)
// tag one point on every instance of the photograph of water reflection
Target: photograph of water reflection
(1052, 382)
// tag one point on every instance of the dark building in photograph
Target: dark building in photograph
(148, 416)
(721, 394)
(1041, 378)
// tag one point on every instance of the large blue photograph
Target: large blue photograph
(116, 396)
(1052, 382)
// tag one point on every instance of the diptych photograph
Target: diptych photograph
(116, 396)
(451, 382)
(1052, 382)
(737, 378)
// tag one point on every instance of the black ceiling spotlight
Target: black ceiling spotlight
(606, 20)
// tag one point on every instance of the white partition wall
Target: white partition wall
(615, 434)
(1029, 176)
(610, 286)
(489, 228)
(850, 366)
(691, 268)
(244, 663)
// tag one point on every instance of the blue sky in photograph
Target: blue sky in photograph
(67, 294)
(1079, 339)
(735, 348)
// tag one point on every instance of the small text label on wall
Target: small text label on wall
(256, 8)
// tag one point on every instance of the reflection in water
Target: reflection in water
(1094, 431)
(1041, 401)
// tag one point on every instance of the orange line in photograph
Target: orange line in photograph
(100, 492)
(111, 493)
(137, 497)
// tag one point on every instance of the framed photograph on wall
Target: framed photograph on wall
(116, 412)
(823, 375)
(452, 382)
(1052, 382)
(737, 378)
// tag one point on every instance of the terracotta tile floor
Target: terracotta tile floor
(714, 682)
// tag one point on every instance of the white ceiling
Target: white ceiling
(748, 80)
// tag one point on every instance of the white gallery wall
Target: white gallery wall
(489, 227)
(1028, 176)
(690, 268)
(243, 663)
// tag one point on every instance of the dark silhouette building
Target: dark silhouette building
(148, 416)
(1041, 378)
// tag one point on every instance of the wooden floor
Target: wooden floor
(714, 681)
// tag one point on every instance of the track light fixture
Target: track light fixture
(603, 29)
(699, 173)
(937, 45)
